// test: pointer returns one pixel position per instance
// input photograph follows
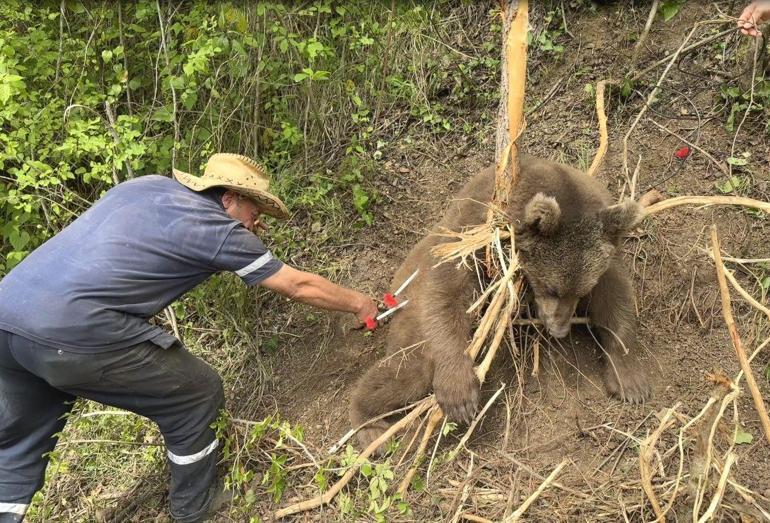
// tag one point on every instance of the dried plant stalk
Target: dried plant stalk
(727, 312)
(434, 418)
(531, 499)
(646, 469)
(603, 140)
(708, 200)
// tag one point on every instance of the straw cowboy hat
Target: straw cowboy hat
(240, 174)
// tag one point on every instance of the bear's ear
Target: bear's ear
(617, 220)
(541, 214)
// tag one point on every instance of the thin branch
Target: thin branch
(645, 32)
(722, 167)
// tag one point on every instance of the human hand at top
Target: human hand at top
(754, 14)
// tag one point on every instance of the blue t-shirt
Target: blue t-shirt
(147, 241)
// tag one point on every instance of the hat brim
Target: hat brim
(268, 204)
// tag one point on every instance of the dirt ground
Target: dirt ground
(566, 413)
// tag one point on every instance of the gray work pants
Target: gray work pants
(175, 389)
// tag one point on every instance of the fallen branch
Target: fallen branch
(475, 519)
(737, 344)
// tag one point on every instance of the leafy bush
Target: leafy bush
(94, 94)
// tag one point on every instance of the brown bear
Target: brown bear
(567, 235)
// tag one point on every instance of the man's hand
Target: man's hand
(368, 309)
(755, 13)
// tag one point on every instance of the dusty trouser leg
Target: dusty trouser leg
(31, 413)
(172, 387)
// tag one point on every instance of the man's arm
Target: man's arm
(318, 291)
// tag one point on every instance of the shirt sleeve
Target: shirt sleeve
(244, 254)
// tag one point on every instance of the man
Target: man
(73, 320)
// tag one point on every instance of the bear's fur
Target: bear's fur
(567, 235)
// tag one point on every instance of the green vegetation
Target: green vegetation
(94, 94)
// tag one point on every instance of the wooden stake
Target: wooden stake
(727, 312)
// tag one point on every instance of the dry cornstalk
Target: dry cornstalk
(603, 141)
(717, 498)
(468, 242)
(727, 312)
(531, 499)
(646, 452)
(708, 200)
(704, 451)
(434, 418)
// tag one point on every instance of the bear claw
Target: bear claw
(627, 382)
(457, 391)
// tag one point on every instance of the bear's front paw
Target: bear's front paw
(625, 378)
(457, 390)
(371, 432)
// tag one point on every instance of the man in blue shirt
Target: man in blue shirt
(74, 320)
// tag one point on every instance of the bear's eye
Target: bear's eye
(551, 292)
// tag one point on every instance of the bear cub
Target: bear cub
(568, 234)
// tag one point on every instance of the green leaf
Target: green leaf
(732, 185)
(163, 114)
(670, 8)
(107, 55)
(737, 161)
(300, 76)
(626, 88)
(742, 437)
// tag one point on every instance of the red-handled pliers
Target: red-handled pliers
(391, 303)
